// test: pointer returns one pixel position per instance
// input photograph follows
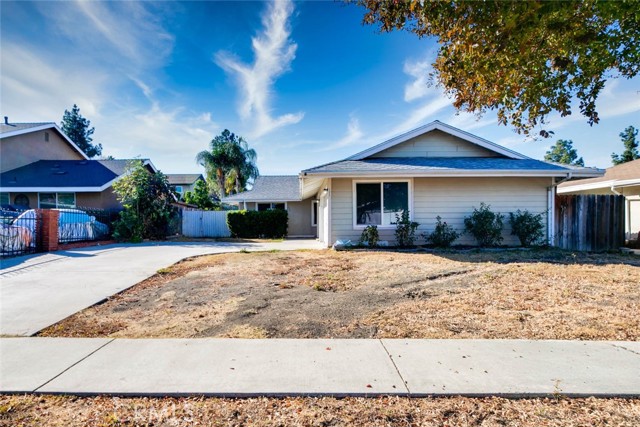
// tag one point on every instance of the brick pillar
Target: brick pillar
(49, 220)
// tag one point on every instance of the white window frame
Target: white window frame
(354, 211)
(272, 205)
(75, 200)
(315, 211)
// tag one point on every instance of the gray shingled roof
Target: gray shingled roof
(12, 127)
(433, 164)
(271, 188)
(188, 178)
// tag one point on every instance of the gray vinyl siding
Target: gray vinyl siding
(452, 199)
(436, 144)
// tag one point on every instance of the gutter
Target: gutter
(614, 191)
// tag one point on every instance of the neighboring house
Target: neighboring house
(181, 183)
(434, 170)
(42, 168)
(281, 192)
(24, 143)
(622, 180)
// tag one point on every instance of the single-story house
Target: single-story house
(42, 168)
(434, 170)
(281, 192)
(182, 183)
(621, 180)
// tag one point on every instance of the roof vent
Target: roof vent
(83, 162)
(60, 173)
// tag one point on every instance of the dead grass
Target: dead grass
(312, 294)
(70, 411)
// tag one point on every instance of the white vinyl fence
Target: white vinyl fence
(205, 224)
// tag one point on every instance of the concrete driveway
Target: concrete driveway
(40, 290)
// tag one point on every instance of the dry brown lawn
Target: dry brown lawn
(545, 294)
(71, 411)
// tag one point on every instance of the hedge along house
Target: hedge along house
(281, 192)
(434, 170)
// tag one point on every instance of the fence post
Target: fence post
(49, 219)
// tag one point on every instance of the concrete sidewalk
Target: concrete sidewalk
(37, 291)
(240, 368)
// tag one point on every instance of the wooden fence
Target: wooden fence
(589, 222)
(205, 224)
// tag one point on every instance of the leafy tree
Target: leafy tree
(630, 147)
(563, 152)
(78, 129)
(146, 198)
(200, 196)
(524, 59)
(228, 154)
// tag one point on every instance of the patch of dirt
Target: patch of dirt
(71, 411)
(371, 294)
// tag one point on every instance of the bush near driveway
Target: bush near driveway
(271, 224)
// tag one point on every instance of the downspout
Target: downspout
(551, 218)
(616, 192)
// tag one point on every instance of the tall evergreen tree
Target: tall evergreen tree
(78, 129)
(563, 152)
(630, 147)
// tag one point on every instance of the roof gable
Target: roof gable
(437, 139)
(15, 129)
(270, 188)
(178, 179)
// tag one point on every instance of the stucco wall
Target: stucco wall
(105, 200)
(23, 149)
(300, 218)
(451, 198)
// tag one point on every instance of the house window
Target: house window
(21, 201)
(179, 189)
(377, 203)
(4, 199)
(46, 137)
(56, 200)
(314, 213)
(270, 206)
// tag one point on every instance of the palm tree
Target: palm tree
(229, 157)
(243, 161)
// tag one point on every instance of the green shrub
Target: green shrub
(271, 224)
(370, 236)
(146, 198)
(405, 229)
(485, 226)
(528, 227)
(443, 235)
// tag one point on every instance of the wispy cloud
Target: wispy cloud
(273, 54)
(418, 87)
(128, 36)
(353, 136)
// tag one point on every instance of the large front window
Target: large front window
(377, 203)
(57, 200)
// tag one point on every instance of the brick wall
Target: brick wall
(49, 229)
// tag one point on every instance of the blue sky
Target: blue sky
(305, 82)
